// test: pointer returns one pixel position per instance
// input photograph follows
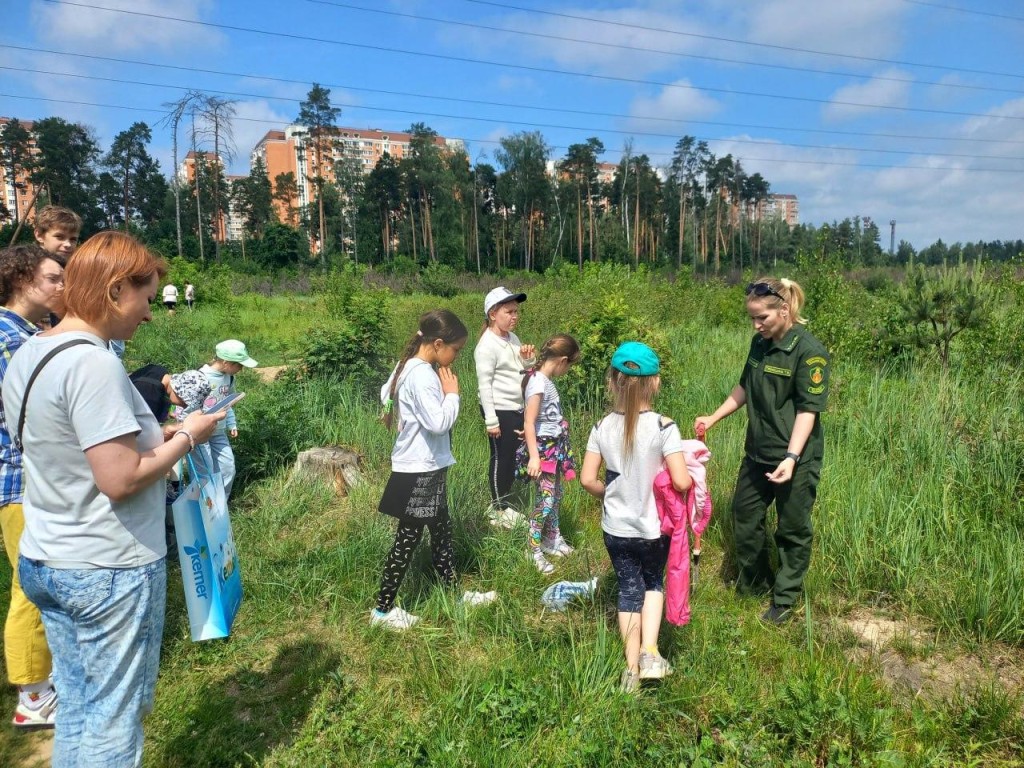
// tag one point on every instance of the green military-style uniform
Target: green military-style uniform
(780, 379)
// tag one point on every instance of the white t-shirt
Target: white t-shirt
(549, 419)
(190, 292)
(170, 293)
(80, 399)
(425, 418)
(629, 507)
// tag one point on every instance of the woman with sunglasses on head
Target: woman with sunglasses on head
(784, 386)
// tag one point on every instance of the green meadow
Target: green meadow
(919, 534)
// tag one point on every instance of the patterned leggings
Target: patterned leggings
(398, 559)
(544, 518)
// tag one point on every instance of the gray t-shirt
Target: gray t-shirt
(80, 399)
(549, 420)
(629, 507)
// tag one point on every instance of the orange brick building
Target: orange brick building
(18, 193)
(290, 151)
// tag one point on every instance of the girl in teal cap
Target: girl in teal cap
(635, 443)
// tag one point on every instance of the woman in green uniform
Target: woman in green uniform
(784, 386)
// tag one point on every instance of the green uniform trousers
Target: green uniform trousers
(793, 503)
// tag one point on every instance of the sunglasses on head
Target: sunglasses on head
(763, 289)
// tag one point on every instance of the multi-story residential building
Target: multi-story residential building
(186, 176)
(291, 151)
(234, 225)
(19, 192)
(785, 207)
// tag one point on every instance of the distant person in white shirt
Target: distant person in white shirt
(170, 297)
(190, 295)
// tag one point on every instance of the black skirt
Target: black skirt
(416, 497)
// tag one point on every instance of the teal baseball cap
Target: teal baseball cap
(635, 359)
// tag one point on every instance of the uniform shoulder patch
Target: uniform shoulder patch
(816, 360)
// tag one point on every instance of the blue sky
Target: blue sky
(892, 109)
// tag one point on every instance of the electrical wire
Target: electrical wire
(652, 153)
(678, 54)
(512, 105)
(527, 68)
(713, 38)
(500, 121)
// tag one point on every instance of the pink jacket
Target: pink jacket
(679, 513)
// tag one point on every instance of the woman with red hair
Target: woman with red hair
(93, 552)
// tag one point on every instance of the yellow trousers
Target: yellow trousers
(25, 649)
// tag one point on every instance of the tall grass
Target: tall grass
(918, 512)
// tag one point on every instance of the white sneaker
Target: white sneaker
(653, 666)
(542, 563)
(505, 518)
(556, 547)
(396, 619)
(479, 598)
(40, 711)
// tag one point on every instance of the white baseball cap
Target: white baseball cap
(500, 295)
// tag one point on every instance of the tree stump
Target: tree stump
(332, 464)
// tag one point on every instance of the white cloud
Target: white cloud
(929, 196)
(95, 30)
(605, 39)
(863, 28)
(875, 93)
(677, 101)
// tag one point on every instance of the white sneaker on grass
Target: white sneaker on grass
(396, 619)
(474, 599)
(36, 710)
(543, 564)
(556, 547)
(505, 518)
(653, 666)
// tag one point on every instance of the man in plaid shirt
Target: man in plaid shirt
(31, 282)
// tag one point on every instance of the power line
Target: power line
(678, 54)
(527, 68)
(966, 10)
(583, 129)
(716, 39)
(652, 153)
(513, 105)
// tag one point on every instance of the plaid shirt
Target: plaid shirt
(14, 331)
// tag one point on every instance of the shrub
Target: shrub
(212, 282)
(356, 348)
(439, 280)
(936, 308)
(599, 335)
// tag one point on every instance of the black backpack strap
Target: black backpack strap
(31, 380)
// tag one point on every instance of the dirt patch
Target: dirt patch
(270, 373)
(42, 749)
(906, 655)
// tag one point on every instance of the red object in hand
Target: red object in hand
(701, 430)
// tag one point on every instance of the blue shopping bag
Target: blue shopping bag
(206, 549)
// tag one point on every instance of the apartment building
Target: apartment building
(291, 151)
(785, 207)
(186, 177)
(17, 193)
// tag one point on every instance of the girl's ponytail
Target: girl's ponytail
(391, 406)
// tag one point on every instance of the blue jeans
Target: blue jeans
(104, 626)
(223, 459)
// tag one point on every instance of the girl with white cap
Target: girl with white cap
(500, 360)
